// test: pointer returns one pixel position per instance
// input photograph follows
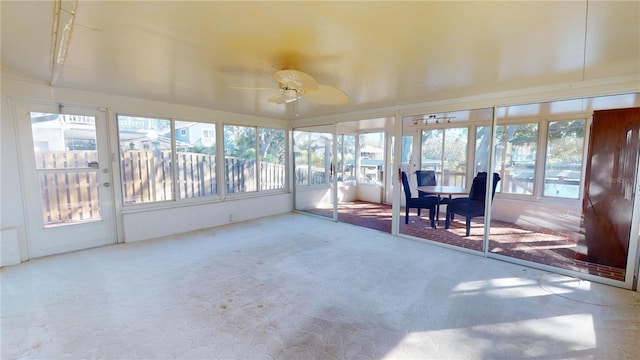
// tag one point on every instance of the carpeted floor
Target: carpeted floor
(298, 287)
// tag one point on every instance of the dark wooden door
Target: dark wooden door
(609, 185)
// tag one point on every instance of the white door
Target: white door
(67, 178)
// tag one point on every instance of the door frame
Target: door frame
(43, 241)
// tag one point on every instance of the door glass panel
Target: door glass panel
(67, 167)
(313, 168)
(443, 148)
(582, 222)
(345, 171)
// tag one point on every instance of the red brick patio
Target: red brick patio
(536, 245)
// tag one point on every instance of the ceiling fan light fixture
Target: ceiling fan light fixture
(291, 93)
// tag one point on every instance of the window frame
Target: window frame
(257, 191)
(541, 156)
(221, 193)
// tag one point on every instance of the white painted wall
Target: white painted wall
(150, 224)
(562, 217)
(133, 224)
(347, 191)
(12, 222)
(312, 197)
(372, 193)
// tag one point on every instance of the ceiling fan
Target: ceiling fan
(295, 85)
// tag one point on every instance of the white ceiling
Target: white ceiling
(381, 53)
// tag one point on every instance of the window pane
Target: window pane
(240, 158)
(518, 151)
(145, 159)
(301, 157)
(371, 158)
(272, 155)
(432, 151)
(565, 143)
(319, 157)
(63, 140)
(346, 158)
(407, 149)
(455, 157)
(483, 139)
(195, 159)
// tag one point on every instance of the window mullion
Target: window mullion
(258, 168)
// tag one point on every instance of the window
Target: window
(245, 147)
(455, 157)
(145, 159)
(312, 157)
(407, 149)
(240, 158)
(563, 166)
(272, 158)
(148, 171)
(481, 157)
(208, 137)
(432, 151)
(516, 149)
(196, 160)
(345, 170)
(371, 158)
(445, 152)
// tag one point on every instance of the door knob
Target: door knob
(106, 184)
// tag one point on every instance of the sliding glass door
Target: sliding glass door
(314, 165)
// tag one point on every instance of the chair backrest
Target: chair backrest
(426, 178)
(479, 185)
(405, 185)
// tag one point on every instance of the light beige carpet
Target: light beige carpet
(298, 287)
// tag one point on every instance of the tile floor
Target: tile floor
(298, 287)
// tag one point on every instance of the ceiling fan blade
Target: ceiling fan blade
(282, 99)
(297, 80)
(327, 95)
(253, 88)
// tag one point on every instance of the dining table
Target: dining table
(442, 190)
